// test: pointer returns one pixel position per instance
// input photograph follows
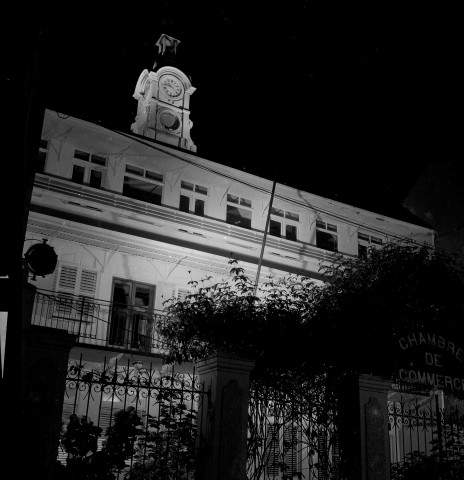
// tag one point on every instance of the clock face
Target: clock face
(171, 86)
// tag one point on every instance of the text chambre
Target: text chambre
(430, 339)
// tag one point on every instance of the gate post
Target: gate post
(363, 428)
(223, 420)
(374, 439)
(44, 382)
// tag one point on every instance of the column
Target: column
(223, 420)
(44, 384)
(374, 440)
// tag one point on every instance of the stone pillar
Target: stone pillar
(223, 420)
(44, 385)
(373, 415)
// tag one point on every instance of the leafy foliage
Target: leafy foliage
(121, 437)
(445, 462)
(166, 446)
(227, 317)
(80, 441)
(298, 325)
(367, 304)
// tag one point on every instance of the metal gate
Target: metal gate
(291, 436)
(426, 431)
(130, 421)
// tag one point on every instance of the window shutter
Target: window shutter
(87, 289)
(290, 450)
(68, 277)
(73, 280)
(322, 453)
(272, 448)
(78, 281)
(88, 283)
(70, 406)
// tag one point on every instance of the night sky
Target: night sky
(350, 105)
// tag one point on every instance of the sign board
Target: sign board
(431, 359)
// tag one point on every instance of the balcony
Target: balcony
(100, 323)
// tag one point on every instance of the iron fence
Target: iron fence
(426, 436)
(134, 421)
(290, 437)
(101, 323)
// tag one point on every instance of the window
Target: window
(95, 179)
(90, 157)
(285, 226)
(88, 169)
(41, 156)
(149, 190)
(366, 241)
(78, 174)
(326, 236)
(192, 198)
(131, 323)
(238, 211)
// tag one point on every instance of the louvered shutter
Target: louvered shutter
(66, 288)
(68, 278)
(272, 449)
(87, 289)
(290, 450)
(70, 406)
(77, 281)
(322, 451)
(88, 283)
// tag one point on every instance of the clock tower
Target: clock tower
(164, 99)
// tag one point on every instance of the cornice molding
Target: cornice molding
(50, 228)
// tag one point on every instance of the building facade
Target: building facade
(133, 217)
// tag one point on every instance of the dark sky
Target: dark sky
(351, 105)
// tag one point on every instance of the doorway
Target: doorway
(131, 324)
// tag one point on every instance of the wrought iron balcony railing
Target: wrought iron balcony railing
(100, 323)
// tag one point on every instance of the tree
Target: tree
(306, 338)
(367, 304)
(273, 328)
(351, 322)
